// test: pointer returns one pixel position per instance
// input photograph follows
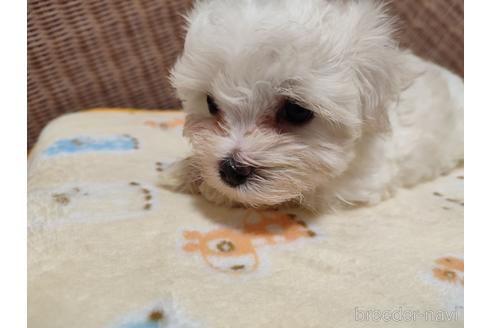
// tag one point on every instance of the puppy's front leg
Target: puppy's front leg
(181, 176)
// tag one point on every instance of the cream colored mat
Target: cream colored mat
(108, 248)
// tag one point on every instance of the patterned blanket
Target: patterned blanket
(108, 248)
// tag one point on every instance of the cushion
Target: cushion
(107, 247)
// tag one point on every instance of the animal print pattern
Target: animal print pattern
(236, 251)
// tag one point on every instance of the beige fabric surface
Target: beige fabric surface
(109, 248)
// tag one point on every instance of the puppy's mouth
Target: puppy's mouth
(234, 173)
(255, 186)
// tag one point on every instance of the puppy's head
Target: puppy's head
(279, 92)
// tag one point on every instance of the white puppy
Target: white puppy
(309, 102)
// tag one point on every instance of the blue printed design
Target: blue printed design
(86, 144)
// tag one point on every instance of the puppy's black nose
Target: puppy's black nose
(234, 173)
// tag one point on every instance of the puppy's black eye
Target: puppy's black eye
(294, 113)
(212, 106)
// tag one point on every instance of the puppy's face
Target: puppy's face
(278, 94)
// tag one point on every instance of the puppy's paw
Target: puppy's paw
(369, 197)
(180, 176)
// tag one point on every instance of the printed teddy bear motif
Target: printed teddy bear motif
(450, 269)
(224, 249)
(275, 226)
(235, 251)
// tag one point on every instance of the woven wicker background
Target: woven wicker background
(89, 53)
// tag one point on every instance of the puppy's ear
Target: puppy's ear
(381, 68)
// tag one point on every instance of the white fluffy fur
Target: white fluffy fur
(383, 117)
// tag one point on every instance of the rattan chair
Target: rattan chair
(92, 53)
